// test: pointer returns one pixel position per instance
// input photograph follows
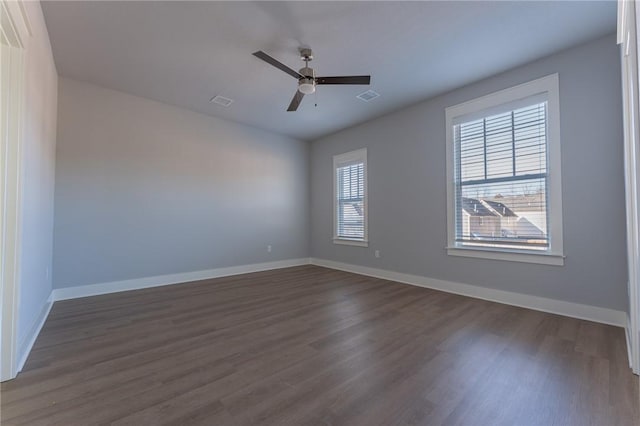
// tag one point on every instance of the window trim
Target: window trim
(359, 155)
(549, 87)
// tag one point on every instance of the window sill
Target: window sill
(348, 242)
(509, 255)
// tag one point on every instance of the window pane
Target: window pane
(505, 213)
(501, 185)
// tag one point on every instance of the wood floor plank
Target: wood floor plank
(314, 346)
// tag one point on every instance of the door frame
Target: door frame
(628, 18)
(15, 31)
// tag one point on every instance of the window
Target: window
(350, 198)
(503, 169)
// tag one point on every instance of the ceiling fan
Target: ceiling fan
(306, 77)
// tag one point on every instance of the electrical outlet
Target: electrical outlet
(269, 248)
(377, 253)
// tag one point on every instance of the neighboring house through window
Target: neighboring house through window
(350, 198)
(503, 168)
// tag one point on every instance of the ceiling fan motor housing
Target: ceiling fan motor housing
(307, 72)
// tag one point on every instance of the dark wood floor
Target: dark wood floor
(312, 346)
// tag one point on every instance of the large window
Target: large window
(350, 198)
(504, 175)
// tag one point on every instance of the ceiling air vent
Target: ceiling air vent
(368, 96)
(221, 100)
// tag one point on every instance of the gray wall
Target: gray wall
(40, 80)
(407, 184)
(146, 189)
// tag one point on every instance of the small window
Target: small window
(504, 175)
(350, 198)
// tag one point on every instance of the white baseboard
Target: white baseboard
(66, 293)
(627, 335)
(568, 309)
(24, 346)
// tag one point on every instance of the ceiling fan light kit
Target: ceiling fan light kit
(307, 86)
(307, 80)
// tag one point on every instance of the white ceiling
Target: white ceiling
(184, 53)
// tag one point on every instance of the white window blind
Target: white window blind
(351, 201)
(501, 178)
(350, 196)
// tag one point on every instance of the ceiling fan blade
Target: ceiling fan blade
(297, 98)
(268, 59)
(351, 79)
